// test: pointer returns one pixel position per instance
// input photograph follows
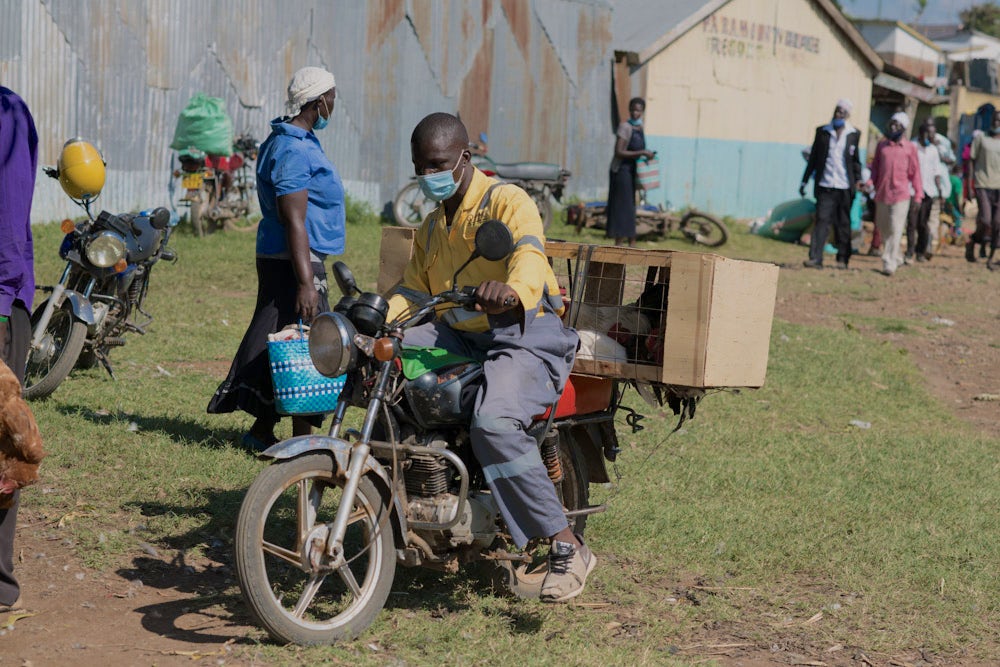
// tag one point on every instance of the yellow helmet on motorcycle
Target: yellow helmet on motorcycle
(81, 170)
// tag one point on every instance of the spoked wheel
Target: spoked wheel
(704, 229)
(295, 590)
(525, 579)
(240, 224)
(410, 206)
(51, 361)
(238, 202)
(541, 199)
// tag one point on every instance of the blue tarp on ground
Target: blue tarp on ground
(789, 220)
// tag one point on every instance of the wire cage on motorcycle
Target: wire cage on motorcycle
(668, 317)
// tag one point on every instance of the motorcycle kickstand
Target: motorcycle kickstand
(103, 358)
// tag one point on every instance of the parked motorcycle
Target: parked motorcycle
(655, 221)
(543, 181)
(321, 530)
(104, 283)
(219, 191)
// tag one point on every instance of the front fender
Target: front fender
(82, 308)
(340, 450)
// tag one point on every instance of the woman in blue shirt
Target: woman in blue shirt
(302, 204)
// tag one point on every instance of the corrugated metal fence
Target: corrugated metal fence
(533, 74)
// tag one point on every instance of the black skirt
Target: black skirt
(248, 386)
(621, 202)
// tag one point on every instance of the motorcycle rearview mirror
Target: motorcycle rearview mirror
(160, 218)
(345, 279)
(493, 242)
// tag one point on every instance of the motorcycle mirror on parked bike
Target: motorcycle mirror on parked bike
(493, 242)
(345, 279)
(160, 218)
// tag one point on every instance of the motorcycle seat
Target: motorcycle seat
(529, 171)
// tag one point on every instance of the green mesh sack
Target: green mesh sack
(205, 125)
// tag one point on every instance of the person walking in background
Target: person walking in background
(18, 165)
(630, 144)
(985, 156)
(835, 165)
(925, 219)
(895, 170)
(302, 222)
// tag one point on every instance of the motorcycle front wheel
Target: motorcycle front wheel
(240, 224)
(410, 206)
(704, 229)
(294, 590)
(52, 360)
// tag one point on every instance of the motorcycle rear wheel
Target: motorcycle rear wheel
(410, 206)
(286, 578)
(195, 214)
(704, 229)
(544, 204)
(50, 363)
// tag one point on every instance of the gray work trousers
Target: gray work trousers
(524, 375)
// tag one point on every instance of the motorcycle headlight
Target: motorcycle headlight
(331, 344)
(105, 249)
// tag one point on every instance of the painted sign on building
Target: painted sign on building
(733, 37)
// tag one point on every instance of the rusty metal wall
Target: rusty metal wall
(533, 74)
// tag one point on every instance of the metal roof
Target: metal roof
(533, 74)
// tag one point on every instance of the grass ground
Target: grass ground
(768, 521)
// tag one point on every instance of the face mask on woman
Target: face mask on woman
(321, 122)
(440, 185)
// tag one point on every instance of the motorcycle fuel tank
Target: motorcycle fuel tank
(445, 395)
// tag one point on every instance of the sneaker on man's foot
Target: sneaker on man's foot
(568, 570)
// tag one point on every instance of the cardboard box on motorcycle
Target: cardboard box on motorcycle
(714, 316)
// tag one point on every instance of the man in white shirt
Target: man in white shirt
(835, 165)
(926, 218)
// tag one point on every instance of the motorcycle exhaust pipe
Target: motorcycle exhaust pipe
(586, 511)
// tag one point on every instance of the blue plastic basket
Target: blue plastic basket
(300, 389)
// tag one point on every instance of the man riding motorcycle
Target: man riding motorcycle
(515, 331)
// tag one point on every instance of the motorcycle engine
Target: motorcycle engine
(431, 498)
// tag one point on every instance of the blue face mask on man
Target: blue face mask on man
(440, 185)
(837, 123)
(321, 122)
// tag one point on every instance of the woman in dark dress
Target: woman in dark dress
(630, 144)
(302, 207)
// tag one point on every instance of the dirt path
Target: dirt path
(168, 611)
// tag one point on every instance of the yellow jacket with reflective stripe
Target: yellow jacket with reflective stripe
(438, 253)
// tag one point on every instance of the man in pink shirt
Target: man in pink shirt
(896, 174)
